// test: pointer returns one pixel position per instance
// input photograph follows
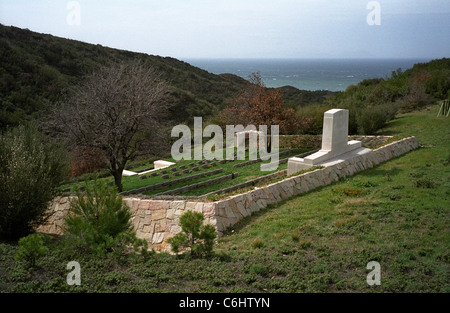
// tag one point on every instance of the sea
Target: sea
(308, 74)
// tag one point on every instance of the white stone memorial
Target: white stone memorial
(335, 144)
(128, 173)
(162, 164)
(157, 166)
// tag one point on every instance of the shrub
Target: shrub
(311, 119)
(99, 222)
(258, 243)
(425, 183)
(348, 191)
(31, 248)
(196, 236)
(31, 169)
(371, 119)
(305, 244)
(258, 269)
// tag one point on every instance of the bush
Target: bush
(30, 171)
(31, 248)
(371, 119)
(194, 235)
(258, 243)
(311, 119)
(425, 183)
(99, 222)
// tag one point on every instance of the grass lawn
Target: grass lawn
(397, 214)
(245, 173)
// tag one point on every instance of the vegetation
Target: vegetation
(256, 105)
(37, 70)
(317, 242)
(99, 222)
(31, 169)
(396, 213)
(31, 248)
(374, 102)
(196, 236)
(98, 115)
(246, 173)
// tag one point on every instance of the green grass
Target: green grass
(245, 173)
(397, 214)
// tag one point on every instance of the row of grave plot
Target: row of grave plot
(186, 171)
(172, 182)
(189, 168)
(197, 185)
(226, 183)
(174, 194)
(249, 175)
(185, 168)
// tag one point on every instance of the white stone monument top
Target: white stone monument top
(162, 164)
(157, 166)
(334, 142)
(335, 129)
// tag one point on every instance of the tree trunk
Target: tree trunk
(269, 139)
(118, 178)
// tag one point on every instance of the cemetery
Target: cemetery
(351, 197)
(157, 207)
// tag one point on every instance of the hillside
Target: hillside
(396, 213)
(37, 69)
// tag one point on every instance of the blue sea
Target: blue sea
(308, 74)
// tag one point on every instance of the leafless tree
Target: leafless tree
(118, 110)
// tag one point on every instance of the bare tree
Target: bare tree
(118, 110)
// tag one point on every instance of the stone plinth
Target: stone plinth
(334, 142)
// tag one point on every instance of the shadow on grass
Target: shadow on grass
(381, 172)
(392, 128)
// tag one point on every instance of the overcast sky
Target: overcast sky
(246, 28)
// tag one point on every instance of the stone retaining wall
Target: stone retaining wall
(231, 210)
(158, 220)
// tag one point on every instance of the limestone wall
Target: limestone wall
(58, 209)
(158, 220)
(229, 211)
(153, 220)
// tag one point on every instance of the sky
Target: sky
(187, 29)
